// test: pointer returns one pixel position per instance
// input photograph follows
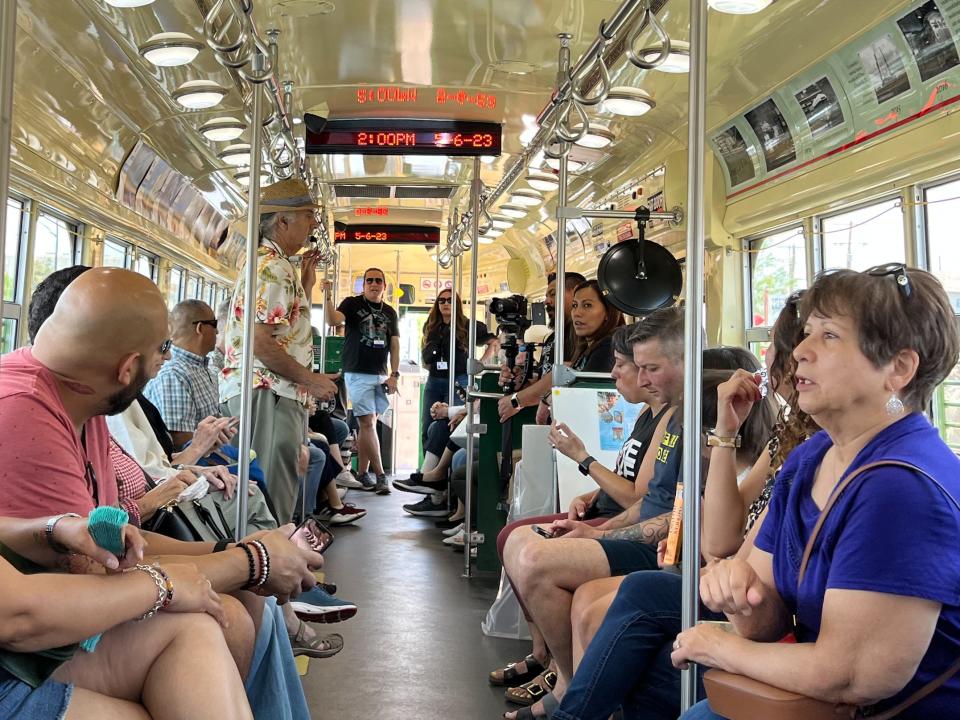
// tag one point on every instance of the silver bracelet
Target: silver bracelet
(161, 591)
(51, 526)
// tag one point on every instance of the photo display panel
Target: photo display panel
(402, 136)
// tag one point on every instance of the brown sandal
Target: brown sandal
(528, 693)
(511, 676)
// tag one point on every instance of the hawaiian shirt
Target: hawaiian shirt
(281, 301)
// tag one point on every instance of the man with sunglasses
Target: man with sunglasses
(184, 391)
(372, 333)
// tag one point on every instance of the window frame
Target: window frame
(152, 258)
(76, 231)
(761, 333)
(819, 219)
(128, 251)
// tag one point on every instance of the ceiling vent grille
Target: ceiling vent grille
(441, 192)
(362, 191)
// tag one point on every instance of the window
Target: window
(54, 248)
(175, 290)
(946, 409)
(211, 298)
(778, 266)
(116, 254)
(193, 287)
(868, 236)
(943, 219)
(8, 335)
(12, 249)
(146, 264)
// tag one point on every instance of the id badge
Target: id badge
(379, 343)
(442, 365)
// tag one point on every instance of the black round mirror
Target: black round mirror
(637, 278)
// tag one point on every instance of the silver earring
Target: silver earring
(894, 406)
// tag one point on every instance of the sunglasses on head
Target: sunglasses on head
(165, 346)
(373, 281)
(899, 273)
(212, 323)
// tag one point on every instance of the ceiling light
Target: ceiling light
(128, 3)
(543, 181)
(525, 197)
(222, 129)
(513, 211)
(237, 155)
(486, 240)
(488, 159)
(199, 94)
(596, 137)
(501, 223)
(678, 60)
(739, 7)
(628, 101)
(572, 165)
(490, 234)
(170, 49)
(243, 177)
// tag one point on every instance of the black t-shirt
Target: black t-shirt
(598, 359)
(546, 353)
(436, 352)
(666, 472)
(369, 327)
(632, 454)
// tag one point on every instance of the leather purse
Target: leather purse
(738, 697)
(171, 522)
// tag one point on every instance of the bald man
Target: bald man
(184, 391)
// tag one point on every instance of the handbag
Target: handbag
(738, 697)
(171, 522)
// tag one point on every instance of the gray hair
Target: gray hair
(268, 223)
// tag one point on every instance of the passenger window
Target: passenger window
(862, 238)
(778, 265)
(193, 288)
(8, 336)
(116, 254)
(943, 219)
(146, 264)
(175, 289)
(12, 249)
(54, 248)
(946, 409)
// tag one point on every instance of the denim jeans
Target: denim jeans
(701, 711)
(273, 684)
(438, 435)
(436, 390)
(628, 662)
(341, 431)
(318, 460)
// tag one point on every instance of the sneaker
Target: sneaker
(422, 487)
(317, 606)
(381, 487)
(345, 479)
(329, 588)
(368, 482)
(345, 515)
(450, 532)
(456, 539)
(430, 506)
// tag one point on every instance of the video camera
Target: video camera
(513, 321)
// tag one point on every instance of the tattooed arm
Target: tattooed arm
(649, 531)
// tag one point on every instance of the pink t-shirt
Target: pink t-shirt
(43, 464)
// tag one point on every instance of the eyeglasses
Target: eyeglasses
(899, 272)
(212, 323)
(373, 281)
(165, 346)
(444, 301)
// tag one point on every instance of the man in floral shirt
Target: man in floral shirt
(283, 381)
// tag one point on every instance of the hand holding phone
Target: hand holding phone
(312, 535)
(541, 532)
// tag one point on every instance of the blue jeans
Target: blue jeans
(273, 685)
(701, 711)
(628, 662)
(341, 431)
(318, 459)
(436, 390)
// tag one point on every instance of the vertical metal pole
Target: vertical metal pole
(559, 314)
(249, 303)
(8, 36)
(693, 347)
(471, 350)
(395, 411)
(451, 375)
(323, 322)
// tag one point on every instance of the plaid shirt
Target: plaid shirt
(131, 482)
(183, 391)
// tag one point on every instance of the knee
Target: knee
(367, 421)
(240, 632)
(532, 564)
(580, 607)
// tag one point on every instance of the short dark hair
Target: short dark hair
(570, 279)
(375, 269)
(621, 341)
(45, 296)
(729, 357)
(888, 321)
(664, 325)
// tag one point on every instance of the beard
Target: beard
(123, 398)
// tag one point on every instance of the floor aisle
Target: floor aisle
(415, 650)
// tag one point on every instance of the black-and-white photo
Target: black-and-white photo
(733, 149)
(930, 40)
(770, 127)
(820, 105)
(885, 68)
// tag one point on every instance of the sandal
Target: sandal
(549, 703)
(321, 646)
(511, 676)
(532, 691)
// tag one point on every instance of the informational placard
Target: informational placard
(401, 136)
(377, 234)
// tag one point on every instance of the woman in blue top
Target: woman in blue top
(878, 614)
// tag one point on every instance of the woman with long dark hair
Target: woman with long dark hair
(594, 320)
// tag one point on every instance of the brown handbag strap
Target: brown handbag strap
(808, 550)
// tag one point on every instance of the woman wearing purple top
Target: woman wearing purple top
(878, 612)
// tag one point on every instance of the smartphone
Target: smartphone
(234, 422)
(312, 535)
(541, 532)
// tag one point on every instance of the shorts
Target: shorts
(365, 393)
(19, 700)
(627, 556)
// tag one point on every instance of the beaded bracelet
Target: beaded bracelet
(252, 576)
(161, 581)
(264, 562)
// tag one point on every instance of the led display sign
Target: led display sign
(401, 136)
(375, 233)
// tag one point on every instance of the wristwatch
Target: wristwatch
(514, 401)
(395, 374)
(49, 528)
(584, 465)
(714, 440)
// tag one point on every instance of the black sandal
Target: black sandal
(511, 676)
(550, 705)
(529, 693)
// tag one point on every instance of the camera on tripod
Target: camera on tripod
(511, 314)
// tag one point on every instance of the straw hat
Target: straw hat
(286, 195)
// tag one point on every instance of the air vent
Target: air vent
(362, 191)
(442, 192)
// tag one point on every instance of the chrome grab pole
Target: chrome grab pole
(249, 305)
(451, 360)
(8, 39)
(471, 351)
(559, 314)
(693, 346)
(323, 322)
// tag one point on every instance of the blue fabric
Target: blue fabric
(366, 394)
(458, 460)
(19, 701)
(892, 531)
(232, 453)
(184, 391)
(627, 556)
(314, 478)
(438, 435)
(273, 685)
(701, 711)
(666, 471)
(341, 431)
(435, 390)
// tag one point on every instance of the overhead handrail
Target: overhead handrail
(574, 80)
(664, 53)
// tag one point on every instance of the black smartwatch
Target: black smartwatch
(584, 465)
